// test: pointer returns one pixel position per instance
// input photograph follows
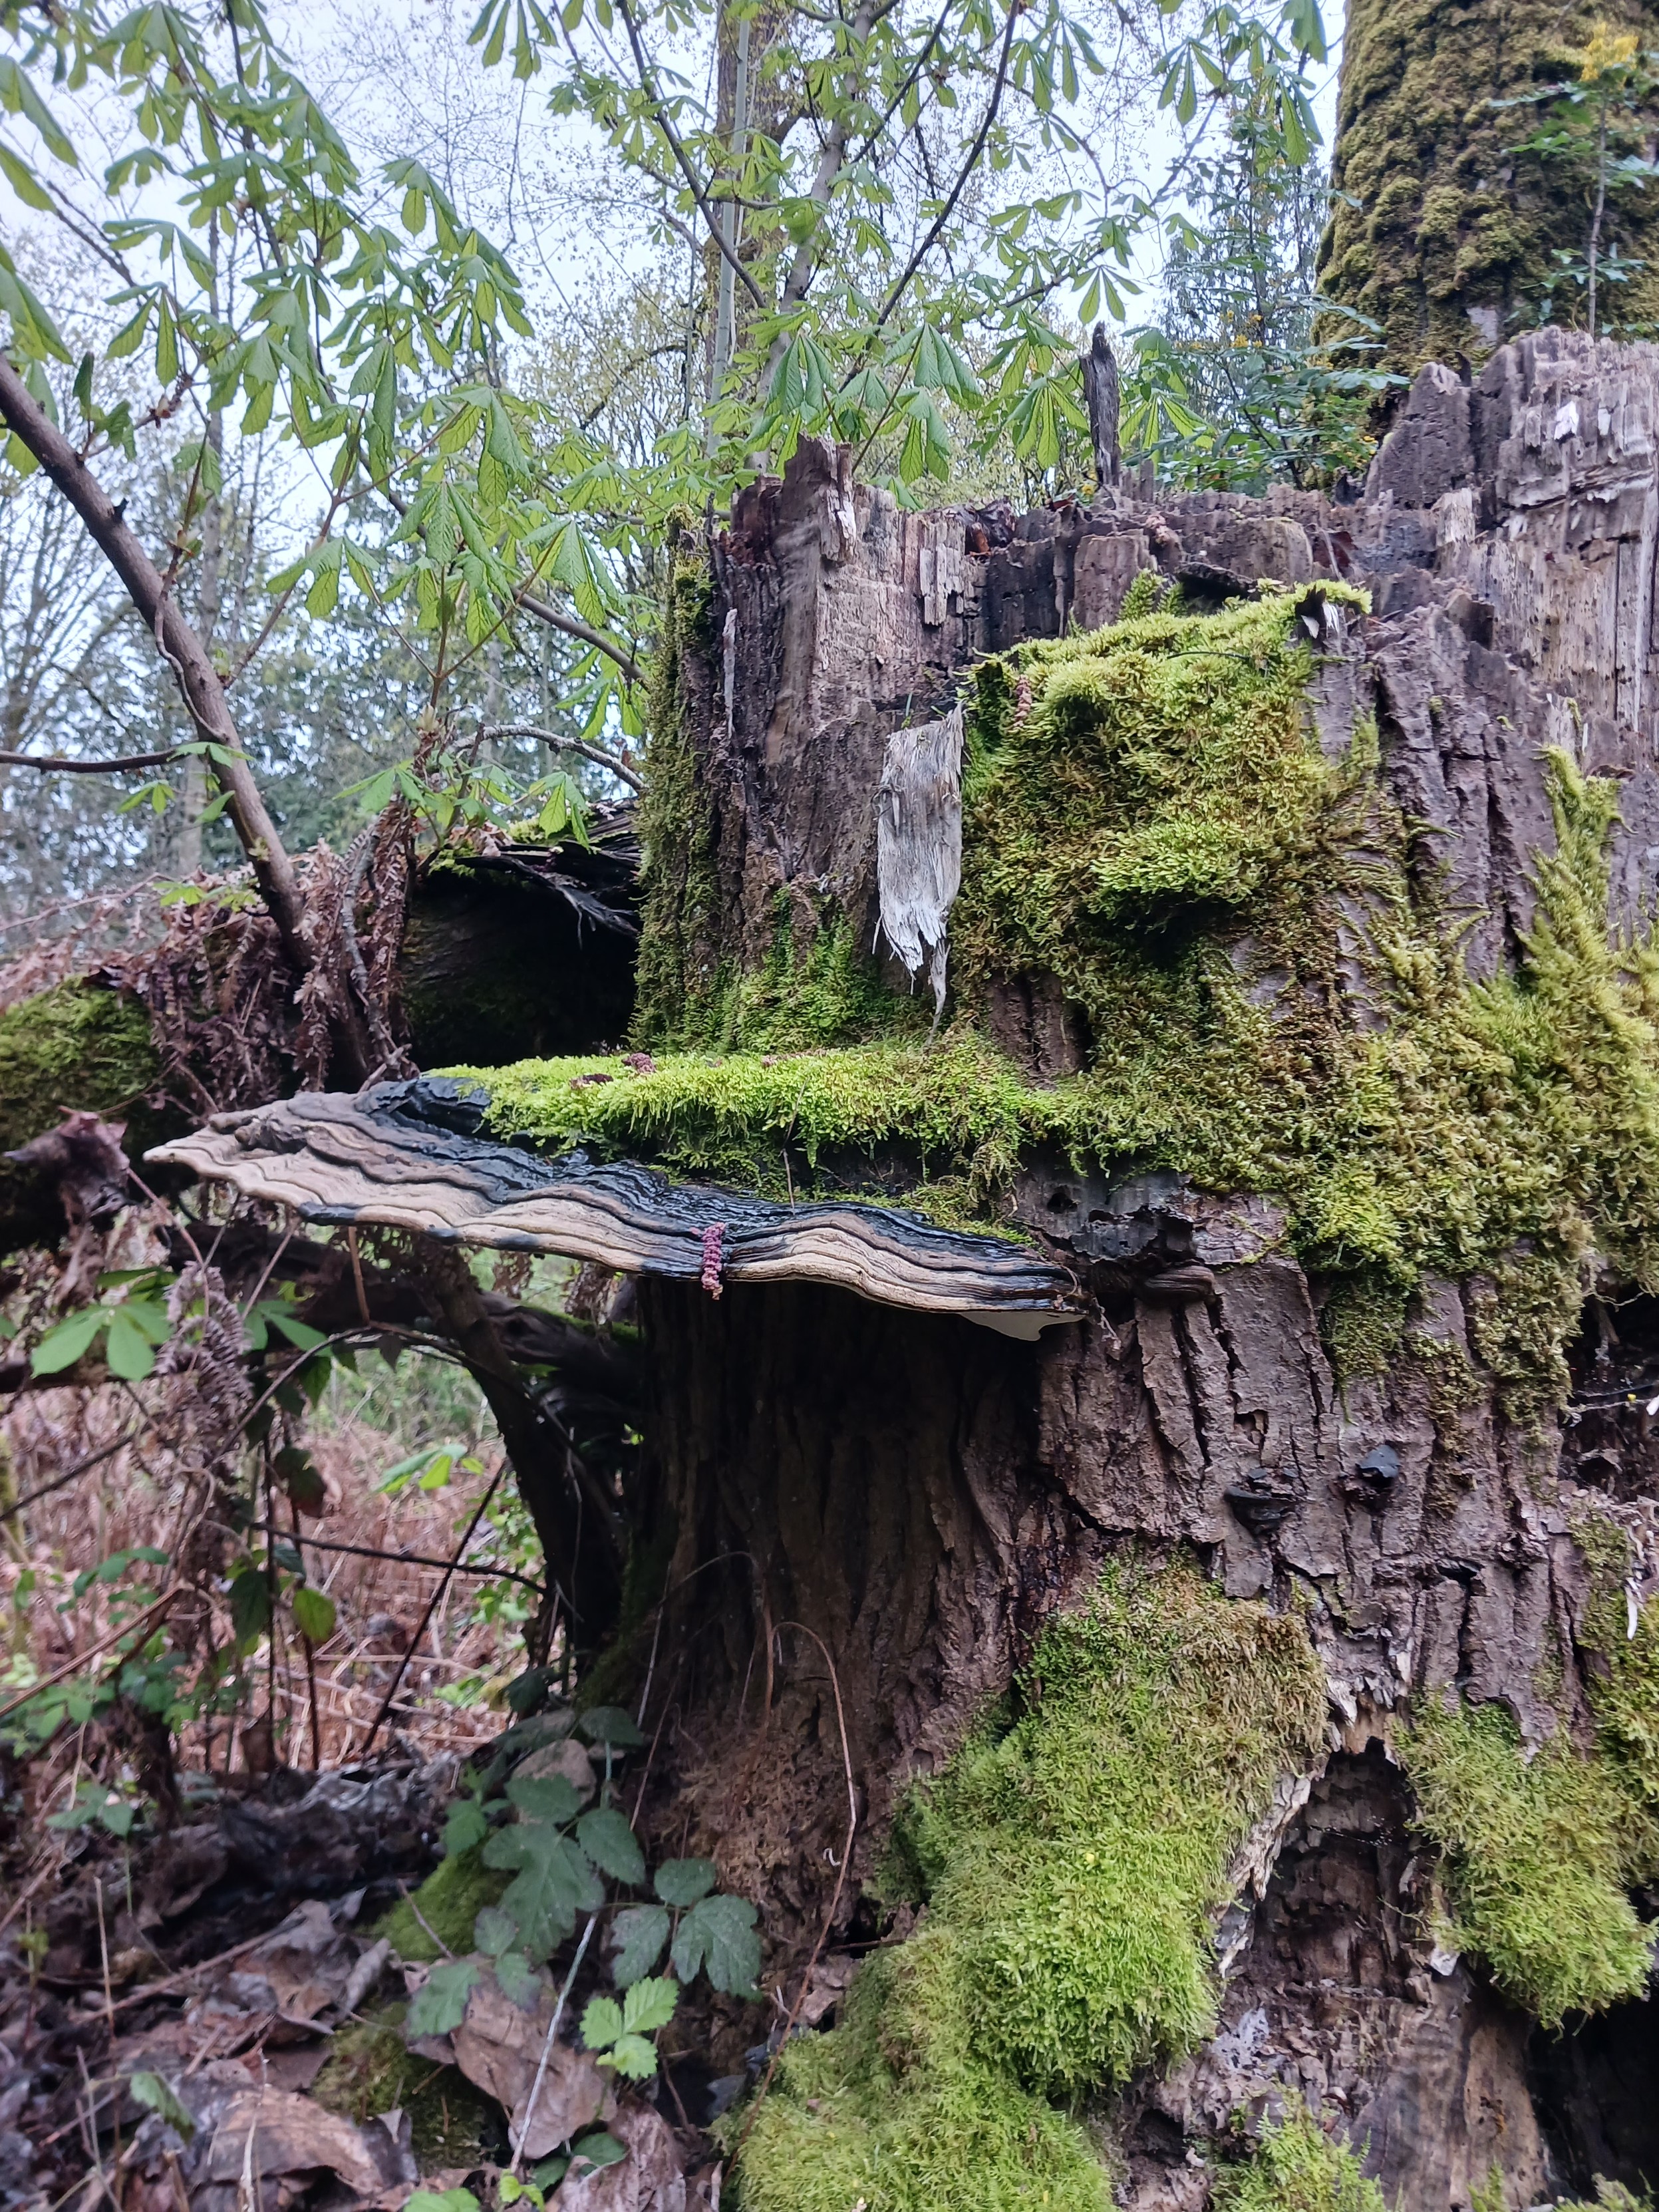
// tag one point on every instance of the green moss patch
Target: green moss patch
(1296, 2167)
(1540, 1854)
(448, 1901)
(79, 1046)
(1072, 1858)
(1434, 210)
(369, 2071)
(1150, 820)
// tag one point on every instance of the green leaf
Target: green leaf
(650, 2004)
(520, 1984)
(553, 1883)
(438, 2006)
(601, 2149)
(611, 1845)
(545, 1797)
(609, 1724)
(639, 1934)
(250, 1606)
(602, 2023)
(313, 1614)
(681, 1882)
(466, 1826)
(61, 1347)
(24, 182)
(128, 1350)
(494, 1931)
(718, 1935)
(441, 2200)
(633, 2057)
(152, 2090)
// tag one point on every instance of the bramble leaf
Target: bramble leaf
(718, 1935)
(440, 2004)
(639, 1935)
(609, 1841)
(681, 1882)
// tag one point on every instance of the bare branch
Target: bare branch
(597, 754)
(665, 124)
(129, 763)
(179, 646)
(967, 167)
(573, 628)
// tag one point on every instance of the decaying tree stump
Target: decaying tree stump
(861, 1519)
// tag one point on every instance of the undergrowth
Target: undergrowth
(1072, 1858)
(1542, 1850)
(1275, 1001)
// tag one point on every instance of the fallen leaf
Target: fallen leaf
(290, 2134)
(500, 2047)
(651, 2178)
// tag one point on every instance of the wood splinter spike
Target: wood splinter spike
(408, 1155)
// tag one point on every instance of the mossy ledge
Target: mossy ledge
(1274, 1001)
(1071, 1859)
(1544, 1843)
(79, 1045)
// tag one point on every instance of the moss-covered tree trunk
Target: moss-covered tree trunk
(1312, 960)
(1448, 232)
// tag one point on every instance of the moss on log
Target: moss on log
(80, 1046)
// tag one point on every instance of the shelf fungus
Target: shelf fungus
(411, 1156)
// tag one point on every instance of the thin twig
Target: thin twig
(547, 2047)
(61, 1481)
(432, 1607)
(835, 1900)
(70, 1666)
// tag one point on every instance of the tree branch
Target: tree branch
(648, 85)
(573, 628)
(179, 646)
(597, 754)
(57, 761)
(967, 171)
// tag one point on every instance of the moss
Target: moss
(1540, 1854)
(677, 971)
(369, 2071)
(1433, 212)
(1073, 1856)
(449, 1900)
(1273, 992)
(1296, 2167)
(77, 1046)
(816, 987)
(961, 1110)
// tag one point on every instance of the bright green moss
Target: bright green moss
(1540, 1854)
(1296, 2167)
(449, 1900)
(1073, 1858)
(1150, 820)
(959, 1109)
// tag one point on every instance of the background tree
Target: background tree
(1453, 219)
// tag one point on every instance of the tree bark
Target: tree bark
(1441, 232)
(921, 1497)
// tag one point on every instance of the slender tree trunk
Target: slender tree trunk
(1441, 232)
